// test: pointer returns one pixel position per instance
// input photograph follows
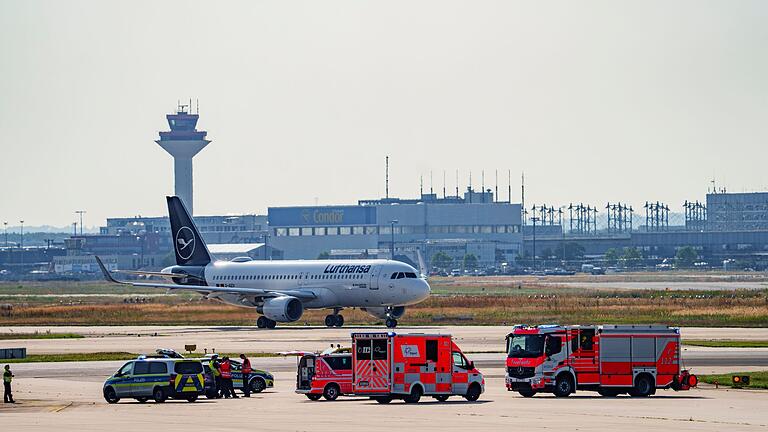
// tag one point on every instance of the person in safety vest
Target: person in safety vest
(214, 364)
(7, 378)
(246, 370)
(226, 379)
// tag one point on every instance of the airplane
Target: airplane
(281, 291)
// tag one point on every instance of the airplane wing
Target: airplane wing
(205, 289)
(157, 274)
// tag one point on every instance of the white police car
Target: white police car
(156, 378)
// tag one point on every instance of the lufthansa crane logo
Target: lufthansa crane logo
(185, 243)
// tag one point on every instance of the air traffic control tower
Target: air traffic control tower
(183, 142)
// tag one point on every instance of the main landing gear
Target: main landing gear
(334, 320)
(264, 322)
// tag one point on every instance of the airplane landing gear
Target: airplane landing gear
(391, 323)
(264, 322)
(334, 320)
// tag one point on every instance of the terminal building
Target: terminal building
(487, 229)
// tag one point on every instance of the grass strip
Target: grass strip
(113, 356)
(37, 335)
(727, 343)
(757, 380)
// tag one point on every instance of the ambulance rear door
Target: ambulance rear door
(371, 363)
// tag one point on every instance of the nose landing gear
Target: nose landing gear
(391, 323)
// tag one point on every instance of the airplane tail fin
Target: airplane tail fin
(188, 244)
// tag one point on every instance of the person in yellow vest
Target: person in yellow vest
(7, 378)
(215, 366)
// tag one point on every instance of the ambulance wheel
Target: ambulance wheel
(563, 385)
(391, 323)
(643, 386)
(192, 398)
(331, 392)
(142, 399)
(314, 397)
(271, 323)
(261, 322)
(441, 398)
(527, 393)
(257, 385)
(415, 395)
(383, 399)
(473, 393)
(110, 395)
(159, 395)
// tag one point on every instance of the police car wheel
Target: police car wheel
(110, 395)
(473, 393)
(192, 398)
(142, 399)
(331, 392)
(314, 397)
(441, 398)
(257, 385)
(391, 323)
(159, 395)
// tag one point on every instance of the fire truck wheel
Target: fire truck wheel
(563, 385)
(391, 323)
(643, 386)
(331, 392)
(527, 393)
(314, 397)
(473, 393)
(441, 398)
(608, 392)
(261, 322)
(415, 395)
(383, 399)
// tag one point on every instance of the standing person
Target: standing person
(246, 370)
(7, 378)
(214, 364)
(226, 379)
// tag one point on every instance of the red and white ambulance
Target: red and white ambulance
(388, 366)
(609, 359)
(324, 375)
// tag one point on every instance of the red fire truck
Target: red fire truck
(324, 375)
(609, 359)
(388, 366)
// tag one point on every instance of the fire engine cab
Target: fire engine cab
(324, 375)
(609, 359)
(388, 366)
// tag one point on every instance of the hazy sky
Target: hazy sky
(594, 100)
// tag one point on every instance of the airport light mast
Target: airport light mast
(183, 142)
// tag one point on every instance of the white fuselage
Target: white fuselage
(336, 283)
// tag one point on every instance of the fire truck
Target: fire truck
(324, 375)
(387, 366)
(609, 359)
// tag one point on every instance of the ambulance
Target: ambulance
(387, 366)
(608, 359)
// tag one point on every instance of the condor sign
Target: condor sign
(321, 216)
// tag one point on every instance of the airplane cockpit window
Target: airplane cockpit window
(401, 275)
(410, 275)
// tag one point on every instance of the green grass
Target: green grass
(37, 335)
(72, 357)
(727, 343)
(758, 380)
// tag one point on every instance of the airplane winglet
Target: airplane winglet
(107, 274)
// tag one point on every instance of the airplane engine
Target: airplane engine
(283, 309)
(381, 312)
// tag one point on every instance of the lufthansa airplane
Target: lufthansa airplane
(281, 290)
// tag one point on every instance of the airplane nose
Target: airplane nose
(424, 289)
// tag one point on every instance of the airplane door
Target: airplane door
(374, 282)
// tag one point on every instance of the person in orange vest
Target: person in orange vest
(226, 379)
(246, 370)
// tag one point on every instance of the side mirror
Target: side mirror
(471, 365)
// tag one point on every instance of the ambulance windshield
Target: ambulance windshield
(530, 345)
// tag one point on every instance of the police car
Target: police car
(156, 378)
